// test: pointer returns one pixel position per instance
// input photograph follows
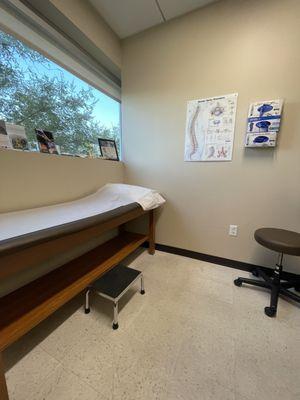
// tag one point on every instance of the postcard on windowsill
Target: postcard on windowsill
(17, 136)
(46, 142)
(108, 149)
(4, 139)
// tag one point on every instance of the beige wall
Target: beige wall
(34, 179)
(89, 21)
(249, 47)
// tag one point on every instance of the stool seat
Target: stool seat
(280, 240)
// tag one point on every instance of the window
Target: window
(39, 94)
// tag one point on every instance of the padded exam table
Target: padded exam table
(32, 237)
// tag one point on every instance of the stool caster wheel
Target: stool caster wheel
(255, 272)
(115, 326)
(237, 282)
(270, 312)
(142, 291)
(87, 310)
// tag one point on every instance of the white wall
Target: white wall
(249, 47)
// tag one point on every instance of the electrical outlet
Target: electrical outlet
(233, 230)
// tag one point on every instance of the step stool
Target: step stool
(113, 285)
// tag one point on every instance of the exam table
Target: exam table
(32, 237)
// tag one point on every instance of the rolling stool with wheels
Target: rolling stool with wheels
(284, 242)
(112, 286)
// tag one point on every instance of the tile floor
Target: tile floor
(192, 336)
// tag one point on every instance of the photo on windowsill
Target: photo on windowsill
(17, 136)
(4, 139)
(13, 136)
(46, 141)
(108, 149)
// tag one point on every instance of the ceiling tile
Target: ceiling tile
(127, 17)
(174, 8)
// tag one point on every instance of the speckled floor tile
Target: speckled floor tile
(267, 358)
(62, 384)
(208, 389)
(192, 336)
(25, 378)
(92, 361)
(207, 353)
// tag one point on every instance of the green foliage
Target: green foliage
(36, 99)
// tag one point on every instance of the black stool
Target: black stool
(284, 242)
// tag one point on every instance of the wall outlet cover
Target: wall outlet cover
(233, 230)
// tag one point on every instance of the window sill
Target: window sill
(70, 156)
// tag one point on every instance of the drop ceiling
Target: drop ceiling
(127, 17)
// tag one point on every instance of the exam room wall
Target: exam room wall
(33, 179)
(83, 15)
(248, 47)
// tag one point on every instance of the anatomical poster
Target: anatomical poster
(210, 125)
(263, 123)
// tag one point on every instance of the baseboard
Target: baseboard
(226, 262)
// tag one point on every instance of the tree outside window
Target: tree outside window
(37, 93)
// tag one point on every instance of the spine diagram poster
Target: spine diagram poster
(210, 127)
(263, 123)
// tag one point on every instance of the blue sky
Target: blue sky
(106, 110)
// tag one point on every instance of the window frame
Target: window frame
(19, 21)
(76, 75)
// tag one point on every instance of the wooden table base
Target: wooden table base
(27, 306)
(151, 233)
(3, 387)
